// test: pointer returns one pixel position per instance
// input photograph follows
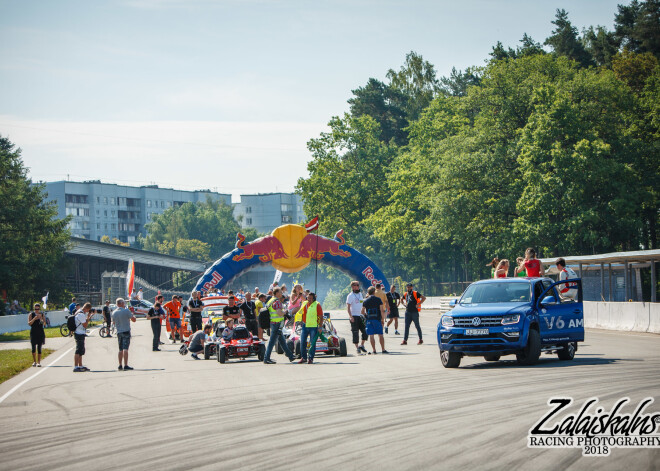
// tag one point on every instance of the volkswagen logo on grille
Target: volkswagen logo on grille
(476, 321)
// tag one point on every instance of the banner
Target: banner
(45, 301)
(130, 278)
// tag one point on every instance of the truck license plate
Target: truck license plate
(476, 331)
(242, 350)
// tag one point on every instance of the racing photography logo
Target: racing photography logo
(595, 429)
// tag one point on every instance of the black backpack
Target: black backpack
(71, 323)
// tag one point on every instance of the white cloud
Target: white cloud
(233, 157)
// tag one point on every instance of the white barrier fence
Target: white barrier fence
(20, 322)
(626, 317)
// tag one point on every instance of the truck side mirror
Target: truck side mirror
(548, 300)
(453, 302)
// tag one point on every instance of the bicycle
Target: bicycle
(103, 331)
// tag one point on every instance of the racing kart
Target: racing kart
(242, 344)
(334, 345)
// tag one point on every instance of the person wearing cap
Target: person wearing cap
(413, 300)
(354, 302)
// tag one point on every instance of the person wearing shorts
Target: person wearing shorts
(374, 311)
(36, 321)
(82, 318)
(173, 307)
(197, 340)
(107, 316)
(394, 300)
(122, 317)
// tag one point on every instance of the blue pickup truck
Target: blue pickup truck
(513, 316)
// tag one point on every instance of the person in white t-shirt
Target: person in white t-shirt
(354, 307)
(82, 318)
(566, 290)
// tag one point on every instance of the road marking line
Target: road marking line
(15, 388)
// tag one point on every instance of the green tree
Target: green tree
(565, 41)
(416, 81)
(194, 230)
(32, 240)
(637, 27)
(600, 44)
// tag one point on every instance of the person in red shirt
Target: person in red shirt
(172, 308)
(502, 270)
(532, 265)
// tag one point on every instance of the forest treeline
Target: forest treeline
(552, 145)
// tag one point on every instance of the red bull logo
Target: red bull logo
(315, 247)
(267, 248)
(216, 278)
(369, 274)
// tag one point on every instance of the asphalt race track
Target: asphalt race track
(386, 412)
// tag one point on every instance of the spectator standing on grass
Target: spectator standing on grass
(156, 315)
(354, 306)
(122, 317)
(195, 306)
(36, 321)
(413, 300)
(374, 310)
(394, 300)
(82, 318)
(107, 315)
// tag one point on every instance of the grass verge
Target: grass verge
(13, 362)
(51, 332)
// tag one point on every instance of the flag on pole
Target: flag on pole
(45, 300)
(130, 278)
(313, 224)
(278, 277)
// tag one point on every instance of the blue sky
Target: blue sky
(222, 93)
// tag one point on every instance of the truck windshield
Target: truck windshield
(485, 293)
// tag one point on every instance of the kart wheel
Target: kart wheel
(492, 357)
(568, 352)
(103, 332)
(222, 355)
(343, 351)
(296, 349)
(289, 343)
(280, 350)
(207, 352)
(262, 352)
(531, 353)
(450, 359)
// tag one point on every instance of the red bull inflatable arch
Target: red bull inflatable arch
(291, 248)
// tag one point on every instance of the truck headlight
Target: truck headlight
(447, 321)
(511, 319)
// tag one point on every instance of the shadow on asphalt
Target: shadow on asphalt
(121, 371)
(550, 363)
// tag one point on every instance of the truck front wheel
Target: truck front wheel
(568, 352)
(450, 359)
(530, 355)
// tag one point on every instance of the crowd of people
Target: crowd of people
(370, 316)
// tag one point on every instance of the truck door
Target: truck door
(561, 318)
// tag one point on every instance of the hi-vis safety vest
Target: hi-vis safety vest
(274, 316)
(311, 320)
(416, 296)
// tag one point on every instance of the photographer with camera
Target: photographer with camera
(81, 319)
(36, 321)
(277, 315)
